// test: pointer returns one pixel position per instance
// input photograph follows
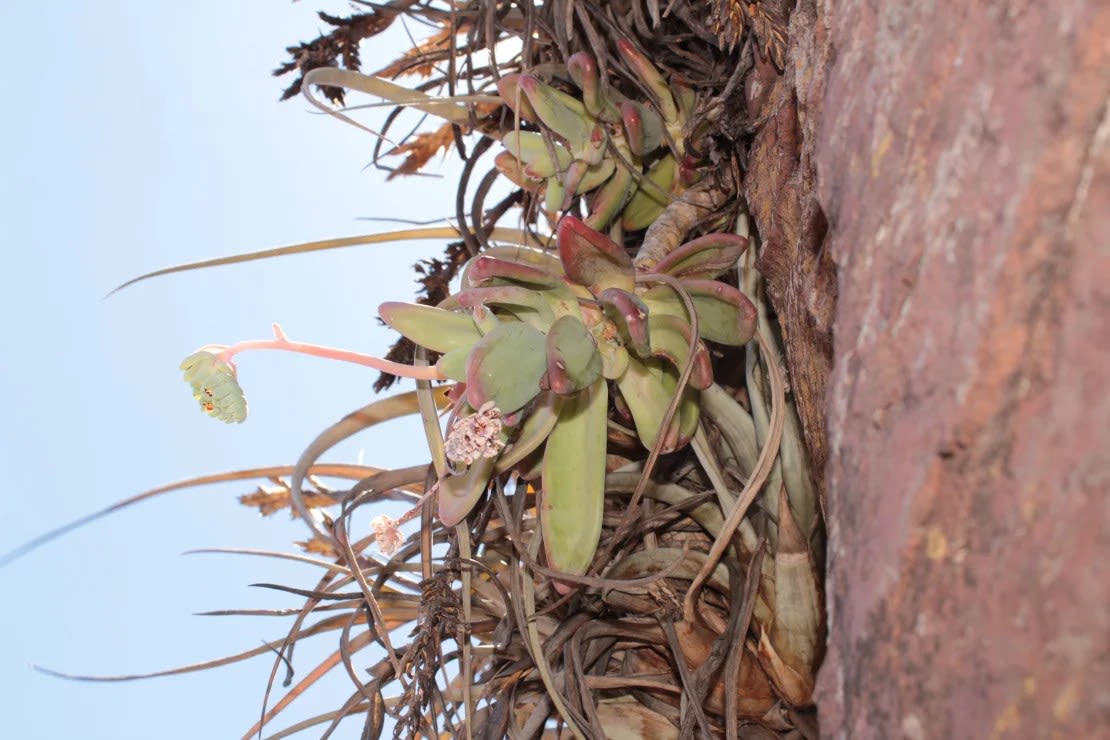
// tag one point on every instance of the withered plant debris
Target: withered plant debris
(341, 45)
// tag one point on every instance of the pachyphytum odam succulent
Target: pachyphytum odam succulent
(538, 344)
(625, 154)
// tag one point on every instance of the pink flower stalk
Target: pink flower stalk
(282, 342)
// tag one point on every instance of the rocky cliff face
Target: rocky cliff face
(960, 155)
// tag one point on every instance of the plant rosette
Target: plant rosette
(541, 343)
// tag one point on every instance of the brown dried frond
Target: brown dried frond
(769, 26)
(728, 19)
(317, 546)
(329, 49)
(273, 499)
(420, 148)
(403, 351)
(766, 19)
(437, 274)
(420, 59)
(439, 621)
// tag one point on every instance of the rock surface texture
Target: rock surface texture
(961, 154)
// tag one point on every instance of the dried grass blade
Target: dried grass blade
(382, 627)
(290, 696)
(449, 108)
(369, 415)
(463, 636)
(536, 647)
(263, 649)
(327, 565)
(512, 236)
(353, 472)
(319, 719)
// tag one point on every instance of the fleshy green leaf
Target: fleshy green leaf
(573, 362)
(458, 493)
(684, 95)
(533, 432)
(670, 339)
(614, 356)
(529, 306)
(547, 286)
(508, 87)
(608, 201)
(593, 259)
(431, 327)
(482, 269)
(630, 315)
(594, 175)
(583, 70)
(485, 319)
(705, 257)
(572, 499)
(453, 364)
(642, 127)
(567, 118)
(647, 387)
(555, 197)
(544, 261)
(725, 315)
(652, 196)
(651, 77)
(530, 148)
(513, 169)
(505, 367)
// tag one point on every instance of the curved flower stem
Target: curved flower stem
(282, 342)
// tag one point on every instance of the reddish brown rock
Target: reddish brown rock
(962, 158)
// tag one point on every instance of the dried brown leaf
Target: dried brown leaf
(317, 546)
(270, 500)
(420, 59)
(728, 19)
(794, 687)
(420, 148)
(756, 694)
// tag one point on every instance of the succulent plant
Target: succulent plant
(628, 154)
(536, 341)
(625, 155)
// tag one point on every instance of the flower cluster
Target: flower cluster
(387, 534)
(215, 384)
(475, 436)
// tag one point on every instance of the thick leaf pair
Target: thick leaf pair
(535, 340)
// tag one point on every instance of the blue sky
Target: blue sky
(139, 135)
